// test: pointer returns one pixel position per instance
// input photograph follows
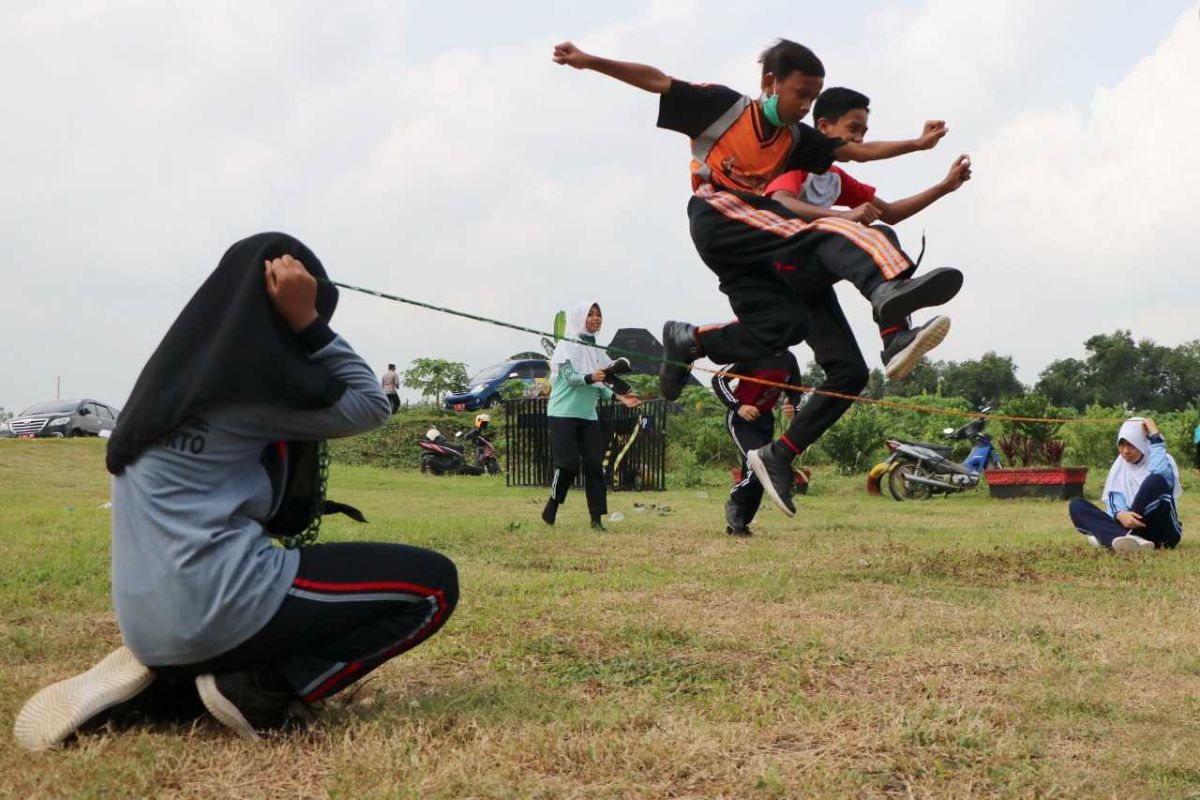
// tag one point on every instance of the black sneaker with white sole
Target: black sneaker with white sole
(775, 474)
(680, 349)
(893, 301)
(735, 519)
(239, 702)
(59, 710)
(903, 349)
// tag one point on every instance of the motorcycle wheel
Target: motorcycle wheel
(903, 489)
(493, 467)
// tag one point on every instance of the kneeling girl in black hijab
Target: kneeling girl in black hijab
(219, 447)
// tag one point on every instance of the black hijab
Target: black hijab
(228, 345)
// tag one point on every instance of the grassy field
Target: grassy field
(955, 648)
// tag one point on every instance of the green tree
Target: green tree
(4, 414)
(433, 377)
(991, 378)
(1066, 382)
(923, 379)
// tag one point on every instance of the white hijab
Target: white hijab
(1127, 478)
(584, 358)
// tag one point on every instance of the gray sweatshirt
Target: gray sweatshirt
(193, 574)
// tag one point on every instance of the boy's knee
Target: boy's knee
(888, 232)
(849, 377)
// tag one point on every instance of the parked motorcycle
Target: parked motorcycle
(919, 470)
(442, 456)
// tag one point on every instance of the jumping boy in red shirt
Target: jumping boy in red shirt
(770, 262)
(842, 113)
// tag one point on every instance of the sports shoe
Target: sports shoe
(597, 525)
(550, 512)
(894, 300)
(59, 710)
(679, 349)
(735, 520)
(1130, 543)
(903, 349)
(240, 703)
(1094, 542)
(775, 474)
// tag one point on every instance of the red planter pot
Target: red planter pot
(1057, 483)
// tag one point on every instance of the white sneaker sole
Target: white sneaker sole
(1131, 544)
(220, 707)
(760, 471)
(902, 364)
(57, 711)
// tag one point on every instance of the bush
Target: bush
(853, 443)
(394, 444)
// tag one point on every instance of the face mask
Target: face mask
(770, 107)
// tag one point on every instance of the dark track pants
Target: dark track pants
(747, 436)
(836, 351)
(1154, 502)
(769, 262)
(573, 442)
(352, 606)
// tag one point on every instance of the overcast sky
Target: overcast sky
(434, 150)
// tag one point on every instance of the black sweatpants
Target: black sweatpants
(573, 442)
(749, 435)
(769, 262)
(1154, 502)
(352, 606)
(836, 351)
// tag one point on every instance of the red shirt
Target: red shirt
(834, 188)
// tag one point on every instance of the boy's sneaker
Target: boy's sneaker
(59, 710)
(775, 474)
(893, 301)
(903, 349)
(1129, 543)
(239, 703)
(550, 512)
(735, 520)
(679, 351)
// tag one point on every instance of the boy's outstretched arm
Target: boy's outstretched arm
(876, 151)
(891, 213)
(642, 76)
(866, 213)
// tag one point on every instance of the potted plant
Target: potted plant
(1034, 455)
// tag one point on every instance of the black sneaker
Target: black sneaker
(735, 519)
(597, 525)
(679, 351)
(775, 474)
(903, 349)
(893, 301)
(60, 709)
(239, 703)
(550, 512)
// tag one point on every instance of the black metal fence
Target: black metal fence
(635, 445)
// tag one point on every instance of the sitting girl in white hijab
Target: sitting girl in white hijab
(1140, 494)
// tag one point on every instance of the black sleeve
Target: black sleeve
(794, 378)
(813, 151)
(691, 107)
(316, 336)
(720, 385)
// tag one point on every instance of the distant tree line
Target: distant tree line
(1117, 371)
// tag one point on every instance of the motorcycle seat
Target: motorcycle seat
(941, 449)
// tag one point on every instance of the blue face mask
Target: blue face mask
(770, 107)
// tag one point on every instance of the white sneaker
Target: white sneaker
(57, 711)
(1094, 542)
(1130, 543)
